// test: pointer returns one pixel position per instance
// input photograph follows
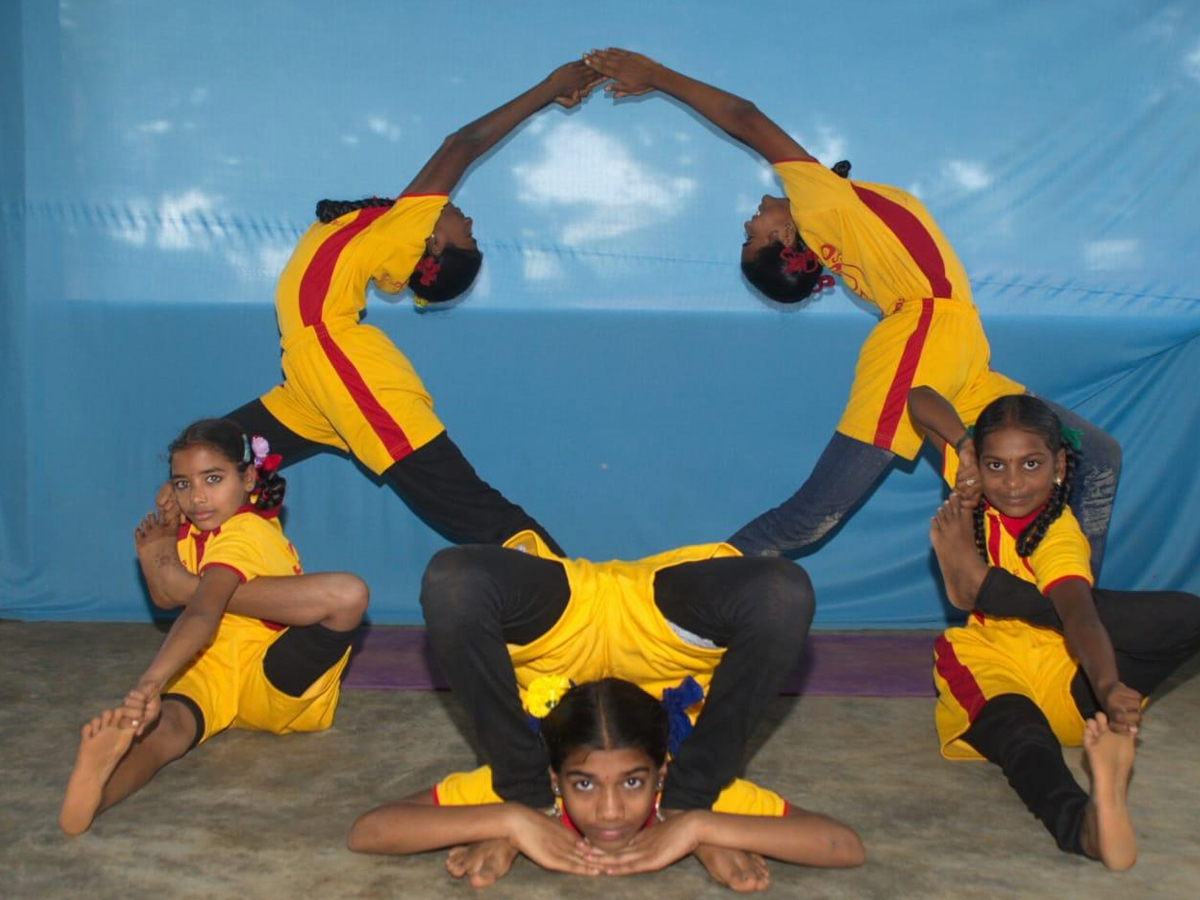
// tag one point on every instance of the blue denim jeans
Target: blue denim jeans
(848, 469)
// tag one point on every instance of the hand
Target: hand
(967, 483)
(548, 843)
(167, 505)
(141, 707)
(483, 863)
(653, 848)
(572, 82)
(632, 73)
(1124, 708)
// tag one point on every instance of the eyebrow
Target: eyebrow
(581, 772)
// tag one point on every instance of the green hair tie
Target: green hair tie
(1073, 438)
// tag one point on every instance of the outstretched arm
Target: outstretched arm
(1089, 642)
(935, 417)
(415, 824)
(633, 74)
(191, 632)
(567, 85)
(800, 837)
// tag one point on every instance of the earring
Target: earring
(1058, 482)
(555, 789)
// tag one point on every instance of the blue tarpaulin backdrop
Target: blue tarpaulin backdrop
(610, 370)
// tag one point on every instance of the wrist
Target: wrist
(958, 445)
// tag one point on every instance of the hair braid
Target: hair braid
(980, 535)
(328, 210)
(269, 490)
(1033, 533)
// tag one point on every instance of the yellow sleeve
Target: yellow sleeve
(394, 243)
(472, 788)
(251, 546)
(1063, 553)
(744, 798)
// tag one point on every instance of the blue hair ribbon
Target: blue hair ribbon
(677, 701)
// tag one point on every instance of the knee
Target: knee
(783, 602)
(451, 588)
(350, 597)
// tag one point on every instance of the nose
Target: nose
(611, 809)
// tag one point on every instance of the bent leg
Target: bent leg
(256, 419)
(335, 600)
(844, 474)
(476, 601)
(1012, 732)
(1096, 478)
(440, 485)
(759, 610)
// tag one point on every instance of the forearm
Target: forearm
(170, 585)
(405, 827)
(736, 116)
(1089, 643)
(800, 837)
(935, 416)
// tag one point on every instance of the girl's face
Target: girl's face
(208, 486)
(773, 222)
(452, 229)
(608, 794)
(1018, 469)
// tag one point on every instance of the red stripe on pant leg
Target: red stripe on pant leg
(395, 441)
(896, 400)
(958, 677)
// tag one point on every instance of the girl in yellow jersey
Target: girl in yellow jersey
(346, 386)
(607, 743)
(266, 665)
(884, 246)
(505, 620)
(1045, 659)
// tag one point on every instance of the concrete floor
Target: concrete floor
(255, 816)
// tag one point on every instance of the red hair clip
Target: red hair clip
(794, 261)
(427, 268)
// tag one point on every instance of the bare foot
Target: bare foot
(102, 744)
(1107, 830)
(483, 863)
(736, 869)
(952, 533)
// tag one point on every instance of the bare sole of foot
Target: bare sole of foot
(102, 744)
(952, 533)
(1108, 830)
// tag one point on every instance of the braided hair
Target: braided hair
(790, 274)
(328, 210)
(609, 714)
(227, 438)
(1030, 414)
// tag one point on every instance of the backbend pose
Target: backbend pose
(502, 622)
(884, 246)
(270, 666)
(607, 743)
(346, 386)
(1074, 669)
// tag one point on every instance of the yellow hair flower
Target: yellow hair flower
(543, 694)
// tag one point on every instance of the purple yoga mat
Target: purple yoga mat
(861, 664)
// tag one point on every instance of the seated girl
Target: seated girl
(607, 743)
(1045, 660)
(269, 665)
